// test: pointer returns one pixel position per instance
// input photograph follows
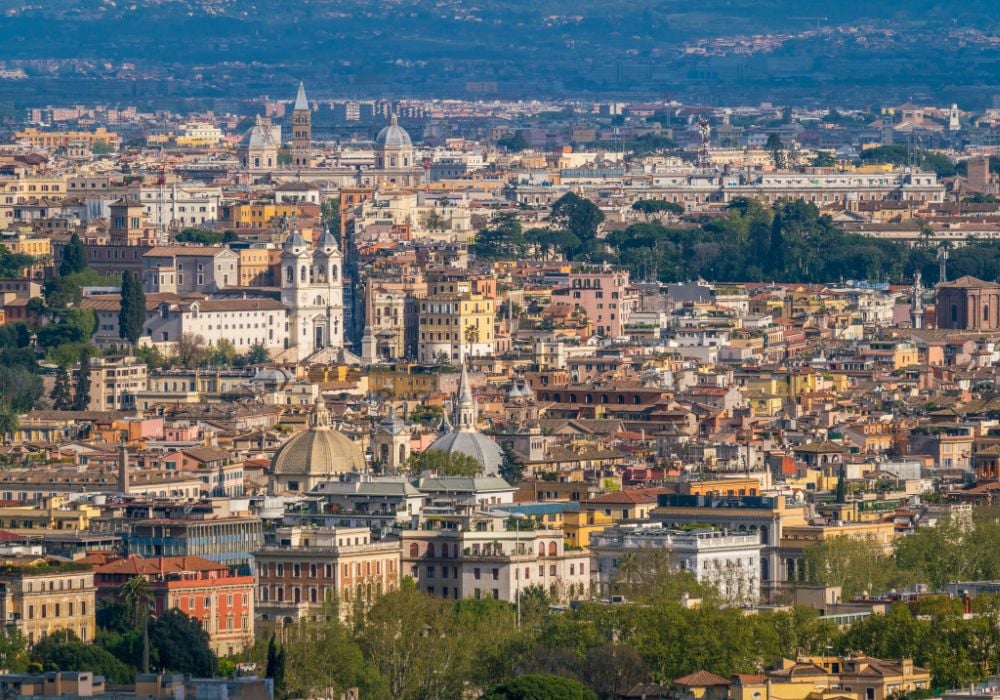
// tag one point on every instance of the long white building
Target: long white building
(728, 560)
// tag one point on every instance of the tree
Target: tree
(13, 647)
(611, 670)
(444, 463)
(514, 142)
(191, 351)
(580, 217)
(329, 213)
(540, 687)
(62, 395)
(417, 644)
(12, 264)
(223, 353)
(138, 596)
(74, 257)
(64, 651)
(648, 575)
(81, 395)
(503, 238)
(777, 149)
(256, 355)
(308, 647)
(182, 644)
(857, 565)
(101, 148)
(10, 422)
(435, 222)
(132, 316)
(823, 159)
(841, 496)
(20, 388)
(202, 236)
(512, 468)
(650, 207)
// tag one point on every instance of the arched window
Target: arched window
(541, 549)
(430, 549)
(553, 549)
(303, 274)
(414, 550)
(289, 274)
(333, 273)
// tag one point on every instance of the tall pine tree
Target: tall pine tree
(132, 315)
(62, 395)
(74, 257)
(81, 397)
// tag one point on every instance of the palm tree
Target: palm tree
(138, 596)
(9, 421)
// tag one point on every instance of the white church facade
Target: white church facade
(312, 289)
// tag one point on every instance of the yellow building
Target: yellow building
(28, 245)
(763, 403)
(256, 266)
(197, 134)
(579, 526)
(742, 486)
(810, 677)
(33, 186)
(454, 325)
(55, 513)
(41, 597)
(61, 139)
(255, 215)
(412, 382)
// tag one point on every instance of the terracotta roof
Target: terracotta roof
(701, 679)
(134, 565)
(629, 496)
(966, 281)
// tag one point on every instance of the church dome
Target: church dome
(319, 452)
(465, 438)
(260, 135)
(473, 444)
(393, 136)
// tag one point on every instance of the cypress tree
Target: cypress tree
(132, 315)
(74, 257)
(81, 397)
(62, 397)
(272, 657)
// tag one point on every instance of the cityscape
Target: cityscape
(443, 351)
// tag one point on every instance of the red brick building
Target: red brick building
(203, 589)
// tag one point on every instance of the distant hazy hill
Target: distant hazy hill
(580, 46)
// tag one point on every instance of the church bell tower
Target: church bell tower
(301, 130)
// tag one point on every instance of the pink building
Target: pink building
(603, 294)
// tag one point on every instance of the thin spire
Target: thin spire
(467, 413)
(301, 103)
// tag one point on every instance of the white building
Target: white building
(177, 204)
(312, 289)
(242, 322)
(483, 557)
(728, 560)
